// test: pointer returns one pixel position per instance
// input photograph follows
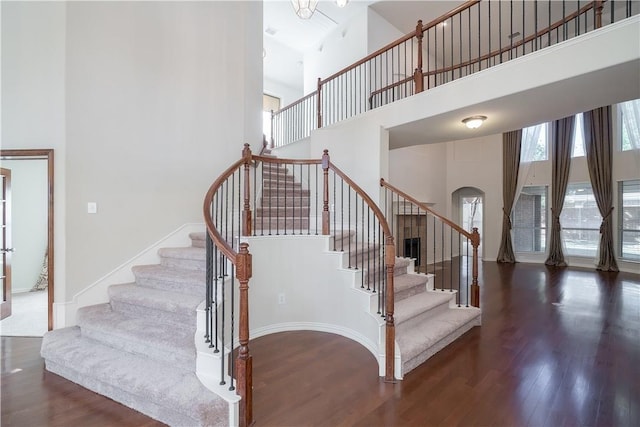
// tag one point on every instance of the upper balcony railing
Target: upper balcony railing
(475, 36)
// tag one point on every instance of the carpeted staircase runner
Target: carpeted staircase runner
(139, 349)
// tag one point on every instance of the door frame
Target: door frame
(48, 155)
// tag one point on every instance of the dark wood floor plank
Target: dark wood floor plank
(558, 347)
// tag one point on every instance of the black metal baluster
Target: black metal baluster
(451, 258)
(349, 222)
(214, 337)
(369, 245)
(209, 283)
(231, 346)
(467, 272)
(434, 252)
(285, 184)
(442, 255)
(222, 373)
(342, 216)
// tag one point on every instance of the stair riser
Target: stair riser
(409, 292)
(282, 211)
(136, 347)
(414, 362)
(197, 289)
(416, 321)
(290, 193)
(274, 224)
(181, 263)
(113, 392)
(282, 202)
(179, 318)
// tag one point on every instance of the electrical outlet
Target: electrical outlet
(332, 208)
(92, 207)
(281, 299)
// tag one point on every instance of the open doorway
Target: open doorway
(32, 232)
(468, 207)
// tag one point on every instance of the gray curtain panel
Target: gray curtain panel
(511, 145)
(598, 148)
(561, 144)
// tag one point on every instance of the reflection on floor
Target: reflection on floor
(28, 315)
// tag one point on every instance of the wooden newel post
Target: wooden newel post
(246, 212)
(244, 367)
(475, 288)
(598, 9)
(319, 103)
(418, 80)
(390, 328)
(325, 193)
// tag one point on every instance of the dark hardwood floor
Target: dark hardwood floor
(557, 347)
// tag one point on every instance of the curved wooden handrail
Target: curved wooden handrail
(222, 244)
(421, 205)
(376, 210)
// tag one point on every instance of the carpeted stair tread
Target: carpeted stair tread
(407, 282)
(419, 304)
(171, 279)
(434, 333)
(159, 390)
(198, 239)
(188, 258)
(138, 300)
(140, 335)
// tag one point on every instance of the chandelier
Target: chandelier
(304, 8)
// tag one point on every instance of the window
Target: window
(529, 220)
(580, 220)
(630, 125)
(578, 137)
(534, 143)
(629, 219)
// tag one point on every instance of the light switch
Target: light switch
(92, 207)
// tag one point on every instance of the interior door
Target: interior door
(5, 243)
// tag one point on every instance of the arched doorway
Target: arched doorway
(468, 209)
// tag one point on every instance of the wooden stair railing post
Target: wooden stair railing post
(475, 288)
(390, 328)
(598, 8)
(246, 212)
(325, 193)
(418, 78)
(319, 103)
(244, 366)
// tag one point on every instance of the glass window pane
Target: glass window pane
(580, 220)
(629, 200)
(528, 220)
(630, 122)
(578, 137)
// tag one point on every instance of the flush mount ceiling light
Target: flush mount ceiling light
(304, 8)
(342, 3)
(474, 122)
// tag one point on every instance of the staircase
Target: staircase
(284, 205)
(139, 348)
(426, 320)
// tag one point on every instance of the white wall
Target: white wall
(33, 97)
(145, 104)
(29, 217)
(379, 31)
(155, 111)
(344, 46)
(288, 94)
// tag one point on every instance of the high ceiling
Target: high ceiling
(286, 37)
